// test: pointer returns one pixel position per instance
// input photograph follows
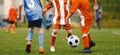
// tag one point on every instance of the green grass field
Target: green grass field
(107, 42)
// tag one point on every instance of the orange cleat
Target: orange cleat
(41, 50)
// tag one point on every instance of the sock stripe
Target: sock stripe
(84, 35)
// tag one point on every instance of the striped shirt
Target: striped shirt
(61, 11)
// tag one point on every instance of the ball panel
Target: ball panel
(73, 41)
(70, 43)
(76, 41)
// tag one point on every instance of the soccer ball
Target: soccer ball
(73, 41)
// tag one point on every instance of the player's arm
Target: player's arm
(20, 7)
(47, 6)
(20, 11)
(95, 4)
(74, 7)
(16, 14)
(95, 7)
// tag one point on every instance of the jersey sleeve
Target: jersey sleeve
(74, 6)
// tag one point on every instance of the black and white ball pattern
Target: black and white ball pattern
(73, 41)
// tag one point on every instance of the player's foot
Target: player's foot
(41, 50)
(13, 32)
(52, 49)
(67, 38)
(92, 44)
(28, 48)
(7, 31)
(86, 50)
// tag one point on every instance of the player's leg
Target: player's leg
(41, 40)
(13, 28)
(99, 24)
(68, 28)
(91, 43)
(38, 24)
(85, 37)
(53, 37)
(29, 42)
(30, 35)
(69, 31)
(48, 26)
(9, 26)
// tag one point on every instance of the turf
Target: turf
(107, 42)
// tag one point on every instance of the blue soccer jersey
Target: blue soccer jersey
(98, 12)
(33, 9)
(49, 18)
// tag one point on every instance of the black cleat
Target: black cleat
(86, 50)
(28, 50)
(92, 44)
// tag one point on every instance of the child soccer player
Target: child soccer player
(99, 14)
(12, 19)
(83, 7)
(33, 11)
(61, 11)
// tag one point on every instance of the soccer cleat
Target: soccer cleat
(7, 31)
(41, 50)
(28, 48)
(13, 32)
(92, 44)
(86, 50)
(52, 49)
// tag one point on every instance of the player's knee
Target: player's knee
(54, 33)
(40, 30)
(31, 28)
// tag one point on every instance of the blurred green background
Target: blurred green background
(111, 16)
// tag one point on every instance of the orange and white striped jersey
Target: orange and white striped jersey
(61, 11)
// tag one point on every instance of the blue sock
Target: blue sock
(41, 40)
(30, 35)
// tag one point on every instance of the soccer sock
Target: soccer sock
(53, 38)
(85, 40)
(90, 40)
(41, 40)
(30, 35)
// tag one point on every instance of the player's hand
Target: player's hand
(44, 11)
(19, 18)
(67, 21)
(67, 18)
(95, 7)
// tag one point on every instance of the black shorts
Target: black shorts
(11, 22)
(36, 23)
